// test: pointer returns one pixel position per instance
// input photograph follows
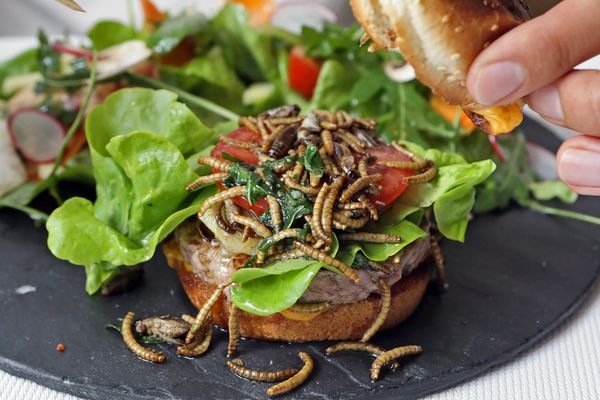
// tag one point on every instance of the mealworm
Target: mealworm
(371, 237)
(438, 257)
(188, 318)
(284, 234)
(327, 214)
(285, 256)
(260, 123)
(384, 309)
(403, 149)
(255, 225)
(234, 332)
(246, 233)
(263, 157)
(426, 176)
(330, 126)
(249, 123)
(291, 183)
(328, 165)
(359, 184)
(204, 311)
(238, 143)
(352, 141)
(377, 266)
(314, 180)
(222, 222)
(206, 180)
(390, 355)
(260, 257)
(275, 211)
(261, 376)
(310, 307)
(297, 171)
(360, 346)
(315, 223)
(412, 165)
(327, 259)
(368, 123)
(268, 142)
(216, 163)
(369, 206)
(362, 167)
(295, 380)
(341, 221)
(286, 120)
(327, 139)
(353, 205)
(137, 349)
(344, 120)
(201, 347)
(220, 197)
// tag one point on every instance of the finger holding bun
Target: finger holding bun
(441, 39)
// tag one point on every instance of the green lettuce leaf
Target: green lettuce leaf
(24, 63)
(553, 189)
(109, 33)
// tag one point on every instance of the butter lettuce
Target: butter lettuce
(139, 141)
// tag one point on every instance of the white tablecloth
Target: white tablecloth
(564, 366)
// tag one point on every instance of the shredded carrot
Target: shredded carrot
(259, 11)
(60, 347)
(448, 112)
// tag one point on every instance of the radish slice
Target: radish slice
(121, 57)
(293, 15)
(37, 135)
(543, 161)
(399, 71)
(61, 48)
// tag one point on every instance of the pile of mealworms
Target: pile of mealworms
(339, 197)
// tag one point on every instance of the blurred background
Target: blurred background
(24, 17)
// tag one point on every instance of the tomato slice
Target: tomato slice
(246, 155)
(392, 184)
(303, 72)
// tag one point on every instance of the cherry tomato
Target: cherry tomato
(303, 72)
(392, 184)
(246, 155)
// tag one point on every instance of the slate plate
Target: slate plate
(520, 275)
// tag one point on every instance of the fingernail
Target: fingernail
(580, 167)
(496, 81)
(546, 102)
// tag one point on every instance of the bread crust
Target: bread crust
(440, 38)
(338, 322)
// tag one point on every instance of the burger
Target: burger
(313, 196)
(441, 39)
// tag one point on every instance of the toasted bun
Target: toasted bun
(338, 322)
(440, 38)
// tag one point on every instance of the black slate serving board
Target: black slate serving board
(518, 277)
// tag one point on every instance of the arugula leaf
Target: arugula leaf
(171, 32)
(109, 33)
(331, 92)
(548, 190)
(312, 160)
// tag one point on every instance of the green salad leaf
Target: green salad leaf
(172, 31)
(553, 189)
(109, 33)
(24, 63)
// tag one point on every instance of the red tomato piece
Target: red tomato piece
(242, 135)
(392, 184)
(303, 72)
(246, 155)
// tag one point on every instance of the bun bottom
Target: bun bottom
(338, 322)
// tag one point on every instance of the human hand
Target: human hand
(535, 61)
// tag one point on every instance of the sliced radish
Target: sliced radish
(121, 57)
(37, 135)
(496, 147)
(543, 161)
(293, 15)
(399, 71)
(61, 48)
